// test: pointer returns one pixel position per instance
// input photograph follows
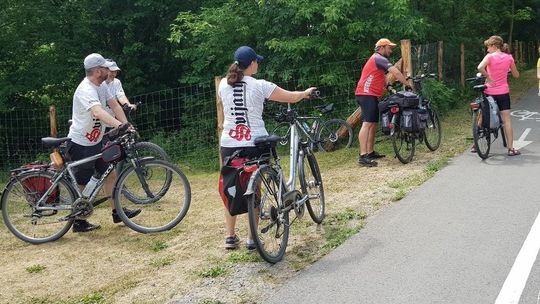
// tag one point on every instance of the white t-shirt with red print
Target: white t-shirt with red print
(87, 130)
(243, 105)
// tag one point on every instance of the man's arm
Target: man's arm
(100, 113)
(399, 76)
(117, 110)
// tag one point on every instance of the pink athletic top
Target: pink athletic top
(498, 66)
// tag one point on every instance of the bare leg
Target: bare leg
(371, 137)
(230, 223)
(364, 137)
(508, 131)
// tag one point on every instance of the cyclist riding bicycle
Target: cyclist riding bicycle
(243, 98)
(89, 117)
(495, 67)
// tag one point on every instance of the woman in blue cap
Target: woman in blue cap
(243, 98)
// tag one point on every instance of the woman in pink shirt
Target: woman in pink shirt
(495, 67)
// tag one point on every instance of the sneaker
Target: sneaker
(232, 242)
(366, 161)
(129, 214)
(375, 155)
(83, 226)
(250, 245)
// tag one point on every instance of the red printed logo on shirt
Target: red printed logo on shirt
(241, 132)
(94, 135)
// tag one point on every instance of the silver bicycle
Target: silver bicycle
(271, 198)
(40, 203)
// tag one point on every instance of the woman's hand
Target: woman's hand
(308, 92)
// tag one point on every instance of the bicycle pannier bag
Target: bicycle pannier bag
(112, 152)
(493, 113)
(233, 182)
(423, 116)
(409, 99)
(35, 187)
(410, 121)
(385, 121)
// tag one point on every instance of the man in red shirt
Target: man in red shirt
(369, 90)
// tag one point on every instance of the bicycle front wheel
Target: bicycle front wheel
(159, 189)
(312, 186)
(334, 134)
(433, 130)
(20, 202)
(481, 135)
(144, 149)
(404, 145)
(268, 223)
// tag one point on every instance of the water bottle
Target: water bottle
(90, 186)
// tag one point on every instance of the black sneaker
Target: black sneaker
(250, 246)
(83, 226)
(375, 155)
(129, 214)
(232, 242)
(366, 161)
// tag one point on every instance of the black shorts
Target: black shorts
(370, 108)
(249, 152)
(84, 172)
(503, 101)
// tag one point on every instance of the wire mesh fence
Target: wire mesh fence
(184, 120)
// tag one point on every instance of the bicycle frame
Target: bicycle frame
(68, 169)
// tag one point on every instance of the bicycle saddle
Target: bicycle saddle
(267, 139)
(480, 87)
(53, 141)
(325, 108)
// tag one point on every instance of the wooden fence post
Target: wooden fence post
(220, 117)
(52, 121)
(516, 51)
(521, 52)
(462, 64)
(440, 60)
(406, 57)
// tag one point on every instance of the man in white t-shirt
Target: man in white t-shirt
(88, 124)
(115, 86)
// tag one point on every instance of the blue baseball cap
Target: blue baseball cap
(244, 55)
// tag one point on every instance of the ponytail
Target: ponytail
(234, 74)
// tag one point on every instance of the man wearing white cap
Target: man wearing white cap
(369, 90)
(115, 85)
(86, 132)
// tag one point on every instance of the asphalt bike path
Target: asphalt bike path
(470, 234)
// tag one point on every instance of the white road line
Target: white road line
(525, 133)
(517, 278)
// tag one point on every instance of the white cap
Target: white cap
(96, 60)
(114, 66)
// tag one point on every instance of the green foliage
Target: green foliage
(213, 272)
(158, 245)
(443, 97)
(37, 268)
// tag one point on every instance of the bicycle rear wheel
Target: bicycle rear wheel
(433, 130)
(481, 135)
(159, 189)
(19, 202)
(334, 134)
(268, 224)
(312, 186)
(404, 145)
(283, 130)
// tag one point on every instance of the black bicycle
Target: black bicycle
(485, 131)
(408, 117)
(327, 136)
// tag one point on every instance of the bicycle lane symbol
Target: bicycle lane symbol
(526, 115)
